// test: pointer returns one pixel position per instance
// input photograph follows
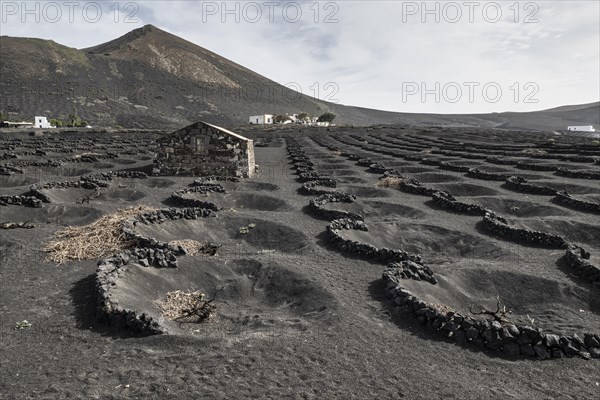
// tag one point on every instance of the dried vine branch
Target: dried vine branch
(499, 314)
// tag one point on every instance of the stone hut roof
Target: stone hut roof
(220, 129)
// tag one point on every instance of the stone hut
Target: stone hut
(202, 149)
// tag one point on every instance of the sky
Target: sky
(405, 56)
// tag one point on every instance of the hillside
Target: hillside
(147, 77)
(151, 78)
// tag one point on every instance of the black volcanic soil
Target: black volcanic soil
(298, 319)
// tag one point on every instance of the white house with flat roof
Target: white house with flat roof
(41, 122)
(583, 128)
(264, 119)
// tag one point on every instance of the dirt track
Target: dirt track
(265, 344)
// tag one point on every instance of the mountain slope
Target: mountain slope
(151, 78)
(161, 50)
(147, 77)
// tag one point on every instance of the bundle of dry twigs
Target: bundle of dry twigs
(390, 182)
(191, 247)
(180, 305)
(102, 238)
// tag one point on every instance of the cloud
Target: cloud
(377, 48)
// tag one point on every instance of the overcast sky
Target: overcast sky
(391, 55)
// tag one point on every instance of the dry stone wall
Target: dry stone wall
(520, 184)
(413, 186)
(201, 149)
(109, 176)
(213, 178)
(312, 179)
(146, 252)
(487, 176)
(447, 201)
(565, 199)
(9, 170)
(411, 270)
(364, 250)
(499, 336)
(578, 174)
(451, 167)
(312, 187)
(500, 161)
(27, 201)
(317, 206)
(499, 226)
(536, 167)
(178, 198)
(578, 259)
(496, 335)
(108, 309)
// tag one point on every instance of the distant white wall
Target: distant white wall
(41, 122)
(265, 119)
(584, 128)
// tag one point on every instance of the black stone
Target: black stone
(495, 344)
(513, 330)
(541, 351)
(552, 340)
(527, 350)
(557, 353)
(472, 333)
(569, 347)
(506, 335)
(578, 340)
(449, 326)
(466, 323)
(512, 349)
(460, 336)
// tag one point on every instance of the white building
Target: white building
(9, 124)
(308, 121)
(293, 117)
(41, 122)
(265, 119)
(584, 128)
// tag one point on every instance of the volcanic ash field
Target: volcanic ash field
(381, 262)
